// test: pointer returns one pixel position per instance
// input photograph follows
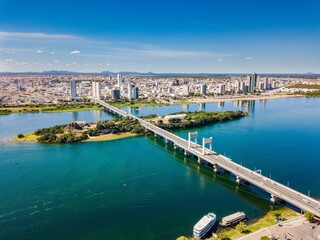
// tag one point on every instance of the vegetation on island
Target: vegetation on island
(66, 106)
(77, 132)
(198, 119)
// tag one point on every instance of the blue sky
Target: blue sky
(211, 36)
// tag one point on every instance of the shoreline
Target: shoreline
(242, 98)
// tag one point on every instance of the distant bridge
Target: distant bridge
(218, 161)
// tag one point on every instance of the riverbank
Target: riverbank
(242, 98)
(280, 212)
(35, 108)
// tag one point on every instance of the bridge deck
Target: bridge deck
(276, 189)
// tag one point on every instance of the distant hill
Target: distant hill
(64, 72)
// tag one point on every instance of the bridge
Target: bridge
(276, 190)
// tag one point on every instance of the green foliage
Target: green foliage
(198, 119)
(265, 238)
(20, 135)
(309, 216)
(241, 227)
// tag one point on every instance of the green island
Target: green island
(79, 131)
(279, 212)
(60, 107)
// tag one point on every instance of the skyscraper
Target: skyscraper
(203, 89)
(119, 80)
(253, 84)
(130, 87)
(115, 94)
(96, 91)
(73, 91)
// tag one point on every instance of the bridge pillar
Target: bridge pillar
(238, 180)
(216, 168)
(273, 199)
(185, 152)
(155, 135)
(192, 135)
(204, 142)
(174, 146)
(166, 140)
(199, 160)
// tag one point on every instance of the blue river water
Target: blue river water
(140, 188)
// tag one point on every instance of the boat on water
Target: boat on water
(204, 225)
(232, 219)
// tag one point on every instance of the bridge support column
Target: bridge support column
(174, 146)
(155, 135)
(238, 180)
(199, 160)
(273, 199)
(185, 153)
(166, 140)
(216, 168)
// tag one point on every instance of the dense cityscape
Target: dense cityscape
(159, 120)
(38, 88)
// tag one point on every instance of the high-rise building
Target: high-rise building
(73, 91)
(135, 92)
(243, 87)
(253, 84)
(221, 89)
(115, 94)
(203, 89)
(130, 87)
(96, 91)
(185, 90)
(119, 80)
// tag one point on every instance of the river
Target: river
(140, 188)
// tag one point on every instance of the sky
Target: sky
(176, 36)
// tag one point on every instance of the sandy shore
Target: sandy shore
(241, 98)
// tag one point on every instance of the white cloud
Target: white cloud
(10, 60)
(39, 51)
(52, 53)
(220, 60)
(23, 35)
(75, 52)
(249, 58)
(56, 61)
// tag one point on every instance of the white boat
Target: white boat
(204, 225)
(232, 219)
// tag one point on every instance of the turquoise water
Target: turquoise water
(139, 188)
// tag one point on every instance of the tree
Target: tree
(265, 238)
(20, 135)
(241, 227)
(309, 216)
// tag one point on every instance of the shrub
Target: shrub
(20, 135)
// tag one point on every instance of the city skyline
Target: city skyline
(162, 36)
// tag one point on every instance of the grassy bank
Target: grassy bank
(110, 137)
(64, 107)
(28, 137)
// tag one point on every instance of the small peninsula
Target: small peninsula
(80, 131)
